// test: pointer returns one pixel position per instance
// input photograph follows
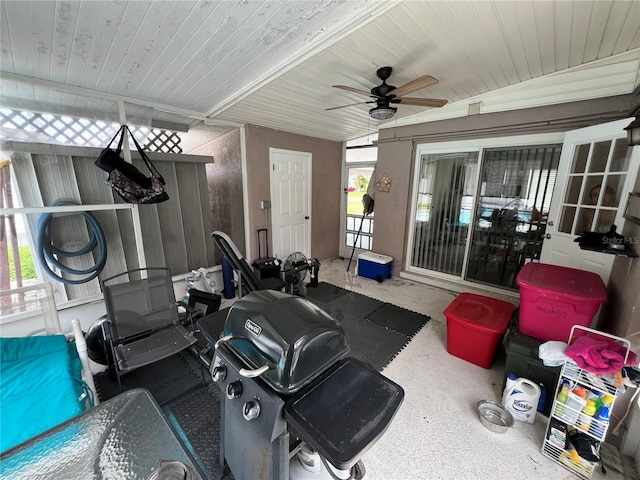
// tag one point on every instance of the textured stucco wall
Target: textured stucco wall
(224, 178)
(326, 168)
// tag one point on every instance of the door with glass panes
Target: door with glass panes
(358, 226)
(594, 178)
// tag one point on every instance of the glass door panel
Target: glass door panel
(444, 199)
(514, 196)
(359, 228)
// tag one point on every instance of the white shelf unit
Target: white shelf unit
(596, 429)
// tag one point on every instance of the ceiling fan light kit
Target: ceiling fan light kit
(382, 113)
(384, 94)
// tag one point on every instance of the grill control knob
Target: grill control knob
(234, 389)
(251, 410)
(219, 373)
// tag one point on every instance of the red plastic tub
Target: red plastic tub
(475, 325)
(553, 299)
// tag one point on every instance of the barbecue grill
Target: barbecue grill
(288, 384)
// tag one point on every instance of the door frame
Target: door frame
(275, 236)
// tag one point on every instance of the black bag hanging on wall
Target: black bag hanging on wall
(126, 180)
(110, 158)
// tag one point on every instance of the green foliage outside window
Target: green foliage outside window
(26, 264)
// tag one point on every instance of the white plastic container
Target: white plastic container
(520, 398)
(575, 404)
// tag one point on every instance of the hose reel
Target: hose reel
(49, 254)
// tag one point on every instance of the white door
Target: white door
(291, 202)
(596, 172)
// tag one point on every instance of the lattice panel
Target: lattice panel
(165, 141)
(83, 132)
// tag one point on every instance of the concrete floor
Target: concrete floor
(437, 433)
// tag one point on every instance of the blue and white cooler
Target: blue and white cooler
(374, 266)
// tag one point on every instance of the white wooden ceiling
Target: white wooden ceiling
(273, 63)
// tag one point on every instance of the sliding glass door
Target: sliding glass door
(511, 211)
(479, 213)
(445, 189)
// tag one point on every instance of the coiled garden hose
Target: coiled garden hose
(48, 253)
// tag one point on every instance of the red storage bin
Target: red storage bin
(475, 325)
(553, 299)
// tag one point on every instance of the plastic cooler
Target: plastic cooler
(475, 325)
(374, 266)
(553, 299)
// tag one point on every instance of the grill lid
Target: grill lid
(292, 336)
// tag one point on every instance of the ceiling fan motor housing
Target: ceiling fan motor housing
(382, 90)
(384, 73)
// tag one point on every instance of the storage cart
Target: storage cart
(571, 415)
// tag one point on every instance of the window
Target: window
(360, 161)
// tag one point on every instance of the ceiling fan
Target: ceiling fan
(383, 95)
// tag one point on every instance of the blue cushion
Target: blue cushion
(40, 384)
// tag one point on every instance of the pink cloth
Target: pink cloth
(599, 354)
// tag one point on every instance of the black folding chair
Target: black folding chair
(143, 325)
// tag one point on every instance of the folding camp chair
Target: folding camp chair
(143, 325)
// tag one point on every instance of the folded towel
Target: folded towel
(599, 354)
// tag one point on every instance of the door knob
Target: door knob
(547, 236)
(550, 223)
(306, 217)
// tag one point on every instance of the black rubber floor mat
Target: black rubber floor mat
(325, 292)
(166, 379)
(354, 304)
(398, 319)
(372, 343)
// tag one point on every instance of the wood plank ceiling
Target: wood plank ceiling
(273, 63)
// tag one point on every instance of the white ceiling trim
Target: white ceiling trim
(560, 87)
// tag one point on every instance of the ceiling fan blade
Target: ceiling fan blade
(350, 105)
(417, 84)
(354, 90)
(422, 102)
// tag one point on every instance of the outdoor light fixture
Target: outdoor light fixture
(382, 112)
(633, 132)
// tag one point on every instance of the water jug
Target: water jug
(520, 398)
